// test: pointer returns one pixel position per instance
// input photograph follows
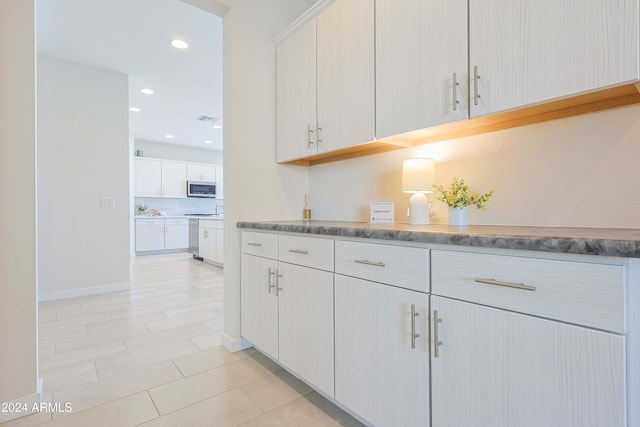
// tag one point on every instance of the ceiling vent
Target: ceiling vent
(207, 119)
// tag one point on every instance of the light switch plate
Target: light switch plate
(108, 202)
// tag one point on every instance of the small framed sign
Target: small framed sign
(381, 213)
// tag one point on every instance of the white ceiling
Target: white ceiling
(133, 37)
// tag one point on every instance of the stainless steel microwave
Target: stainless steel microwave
(201, 189)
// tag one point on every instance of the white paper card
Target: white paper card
(381, 213)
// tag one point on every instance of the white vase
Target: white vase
(459, 216)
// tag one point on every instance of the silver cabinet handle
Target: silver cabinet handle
(254, 244)
(206, 234)
(318, 129)
(299, 251)
(309, 133)
(436, 342)
(413, 326)
(455, 92)
(506, 284)
(278, 288)
(271, 274)
(476, 77)
(367, 262)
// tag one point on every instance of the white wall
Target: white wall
(83, 155)
(176, 152)
(256, 187)
(578, 172)
(18, 336)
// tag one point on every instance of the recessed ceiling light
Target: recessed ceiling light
(168, 136)
(179, 44)
(147, 91)
(217, 127)
(134, 109)
(208, 142)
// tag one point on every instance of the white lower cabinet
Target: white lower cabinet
(259, 314)
(176, 233)
(515, 341)
(211, 240)
(287, 309)
(382, 374)
(158, 234)
(402, 335)
(149, 235)
(496, 368)
(305, 321)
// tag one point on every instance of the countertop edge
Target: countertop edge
(600, 246)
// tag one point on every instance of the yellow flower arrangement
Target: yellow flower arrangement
(459, 196)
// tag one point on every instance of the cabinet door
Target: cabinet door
(174, 179)
(306, 324)
(414, 91)
(149, 238)
(219, 180)
(531, 51)
(176, 236)
(148, 173)
(259, 304)
(194, 172)
(219, 246)
(379, 374)
(497, 368)
(207, 243)
(209, 173)
(346, 102)
(296, 94)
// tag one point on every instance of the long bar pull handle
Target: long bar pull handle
(367, 262)
(506, 284)
(271, 274)
(309, 133)
(278, 288)
(436, 342)
(413, 326)
(254, 244)
(476, 77)
(455, 92)
(298, 251)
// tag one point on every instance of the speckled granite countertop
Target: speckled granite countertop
(617, 242)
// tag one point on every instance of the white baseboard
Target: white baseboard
(234, 344)
(20, 407)
(83, 292)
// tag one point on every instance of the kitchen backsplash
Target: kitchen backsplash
(180, 206)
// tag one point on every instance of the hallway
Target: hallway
(152, 356)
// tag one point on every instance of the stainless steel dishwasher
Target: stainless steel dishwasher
(194, 235)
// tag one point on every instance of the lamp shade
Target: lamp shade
(418, 175)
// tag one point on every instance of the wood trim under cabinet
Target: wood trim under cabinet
(604, 99)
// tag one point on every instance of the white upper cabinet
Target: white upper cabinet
(325, 82)
(174, 179)
(201, 172)
(296, 94)
(148, 177)
(528, 52)
(420, 47)
(346, 98)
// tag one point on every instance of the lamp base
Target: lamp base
(418, 209)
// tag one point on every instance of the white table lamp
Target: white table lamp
(418, 177)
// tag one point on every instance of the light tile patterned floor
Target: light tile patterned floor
(151, 356)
